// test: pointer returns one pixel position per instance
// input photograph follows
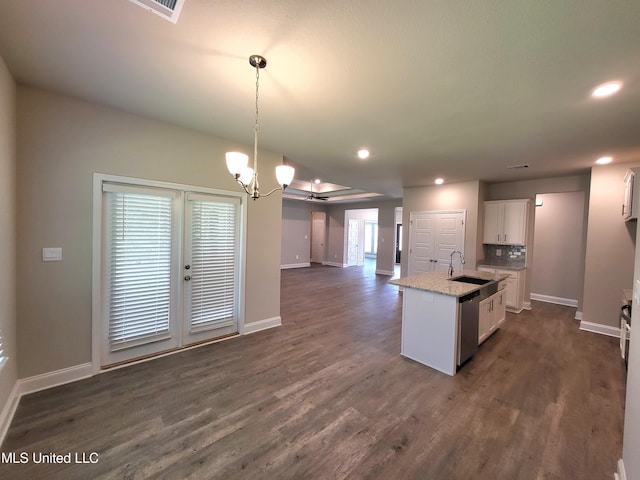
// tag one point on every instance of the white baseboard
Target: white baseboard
(334, 264)
(578, 315)
(526, 305)
(53, 379)
(36, 383)
(295, 265)
(389, 273)
(568, 302)
(260, 325)
(599, 328)
(621, 474)
(9, 411)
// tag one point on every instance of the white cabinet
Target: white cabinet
(505, 222)
(514, 293)
(492, 315)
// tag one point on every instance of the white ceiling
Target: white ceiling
(449, 88)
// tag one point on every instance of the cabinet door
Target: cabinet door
(500, 307)
(512, 292)
(484, 319)
(514, 228)
(493, 222)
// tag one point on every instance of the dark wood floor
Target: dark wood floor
(328, 396)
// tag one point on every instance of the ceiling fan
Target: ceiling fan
(315, 196)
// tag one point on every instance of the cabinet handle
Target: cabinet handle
(505, 237)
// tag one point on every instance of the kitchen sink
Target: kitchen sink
(474, 280)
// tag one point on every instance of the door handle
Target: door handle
(187, 277)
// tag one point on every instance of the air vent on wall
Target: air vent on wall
(524, 165)
(167, 9)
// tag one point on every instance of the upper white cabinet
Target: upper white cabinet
(505, 222)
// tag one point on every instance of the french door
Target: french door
(169, 269)
(433, 236)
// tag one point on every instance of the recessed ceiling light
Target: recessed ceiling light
(316, 181)
(439, 181)
(606, 89)
(363, 153)
(604, 160)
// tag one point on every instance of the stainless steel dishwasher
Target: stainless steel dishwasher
(469, 316)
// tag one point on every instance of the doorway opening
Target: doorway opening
(361, 238)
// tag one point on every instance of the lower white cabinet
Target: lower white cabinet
(515, 286)
(492, 314)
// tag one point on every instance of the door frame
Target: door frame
(97, 252)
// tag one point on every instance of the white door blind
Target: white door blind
(214, 263)
(139, 263)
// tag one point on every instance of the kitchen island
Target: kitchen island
(441, 315)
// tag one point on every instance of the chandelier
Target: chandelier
(237, 162)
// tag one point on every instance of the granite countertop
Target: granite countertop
(502, 267)
(437, 282)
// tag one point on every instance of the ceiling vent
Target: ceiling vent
(167, 9)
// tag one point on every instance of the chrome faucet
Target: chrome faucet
(451, 261)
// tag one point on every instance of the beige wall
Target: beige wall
(386, 232)
(558, 241)
(609, 247)
(296, 231)
(454, 196)
(531, 188)
(61, 143)
(8, 372)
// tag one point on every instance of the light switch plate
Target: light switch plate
(52, 254)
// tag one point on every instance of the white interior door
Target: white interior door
(421, 242)
(318, 231)
(433, 236)
(449, 238)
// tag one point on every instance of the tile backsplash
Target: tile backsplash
(514, 256)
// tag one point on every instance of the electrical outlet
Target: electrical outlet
(297, 257)
(498, 252)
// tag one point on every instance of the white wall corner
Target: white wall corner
(599, 328)
(578, 315)
(9, 411)
(260, 325)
